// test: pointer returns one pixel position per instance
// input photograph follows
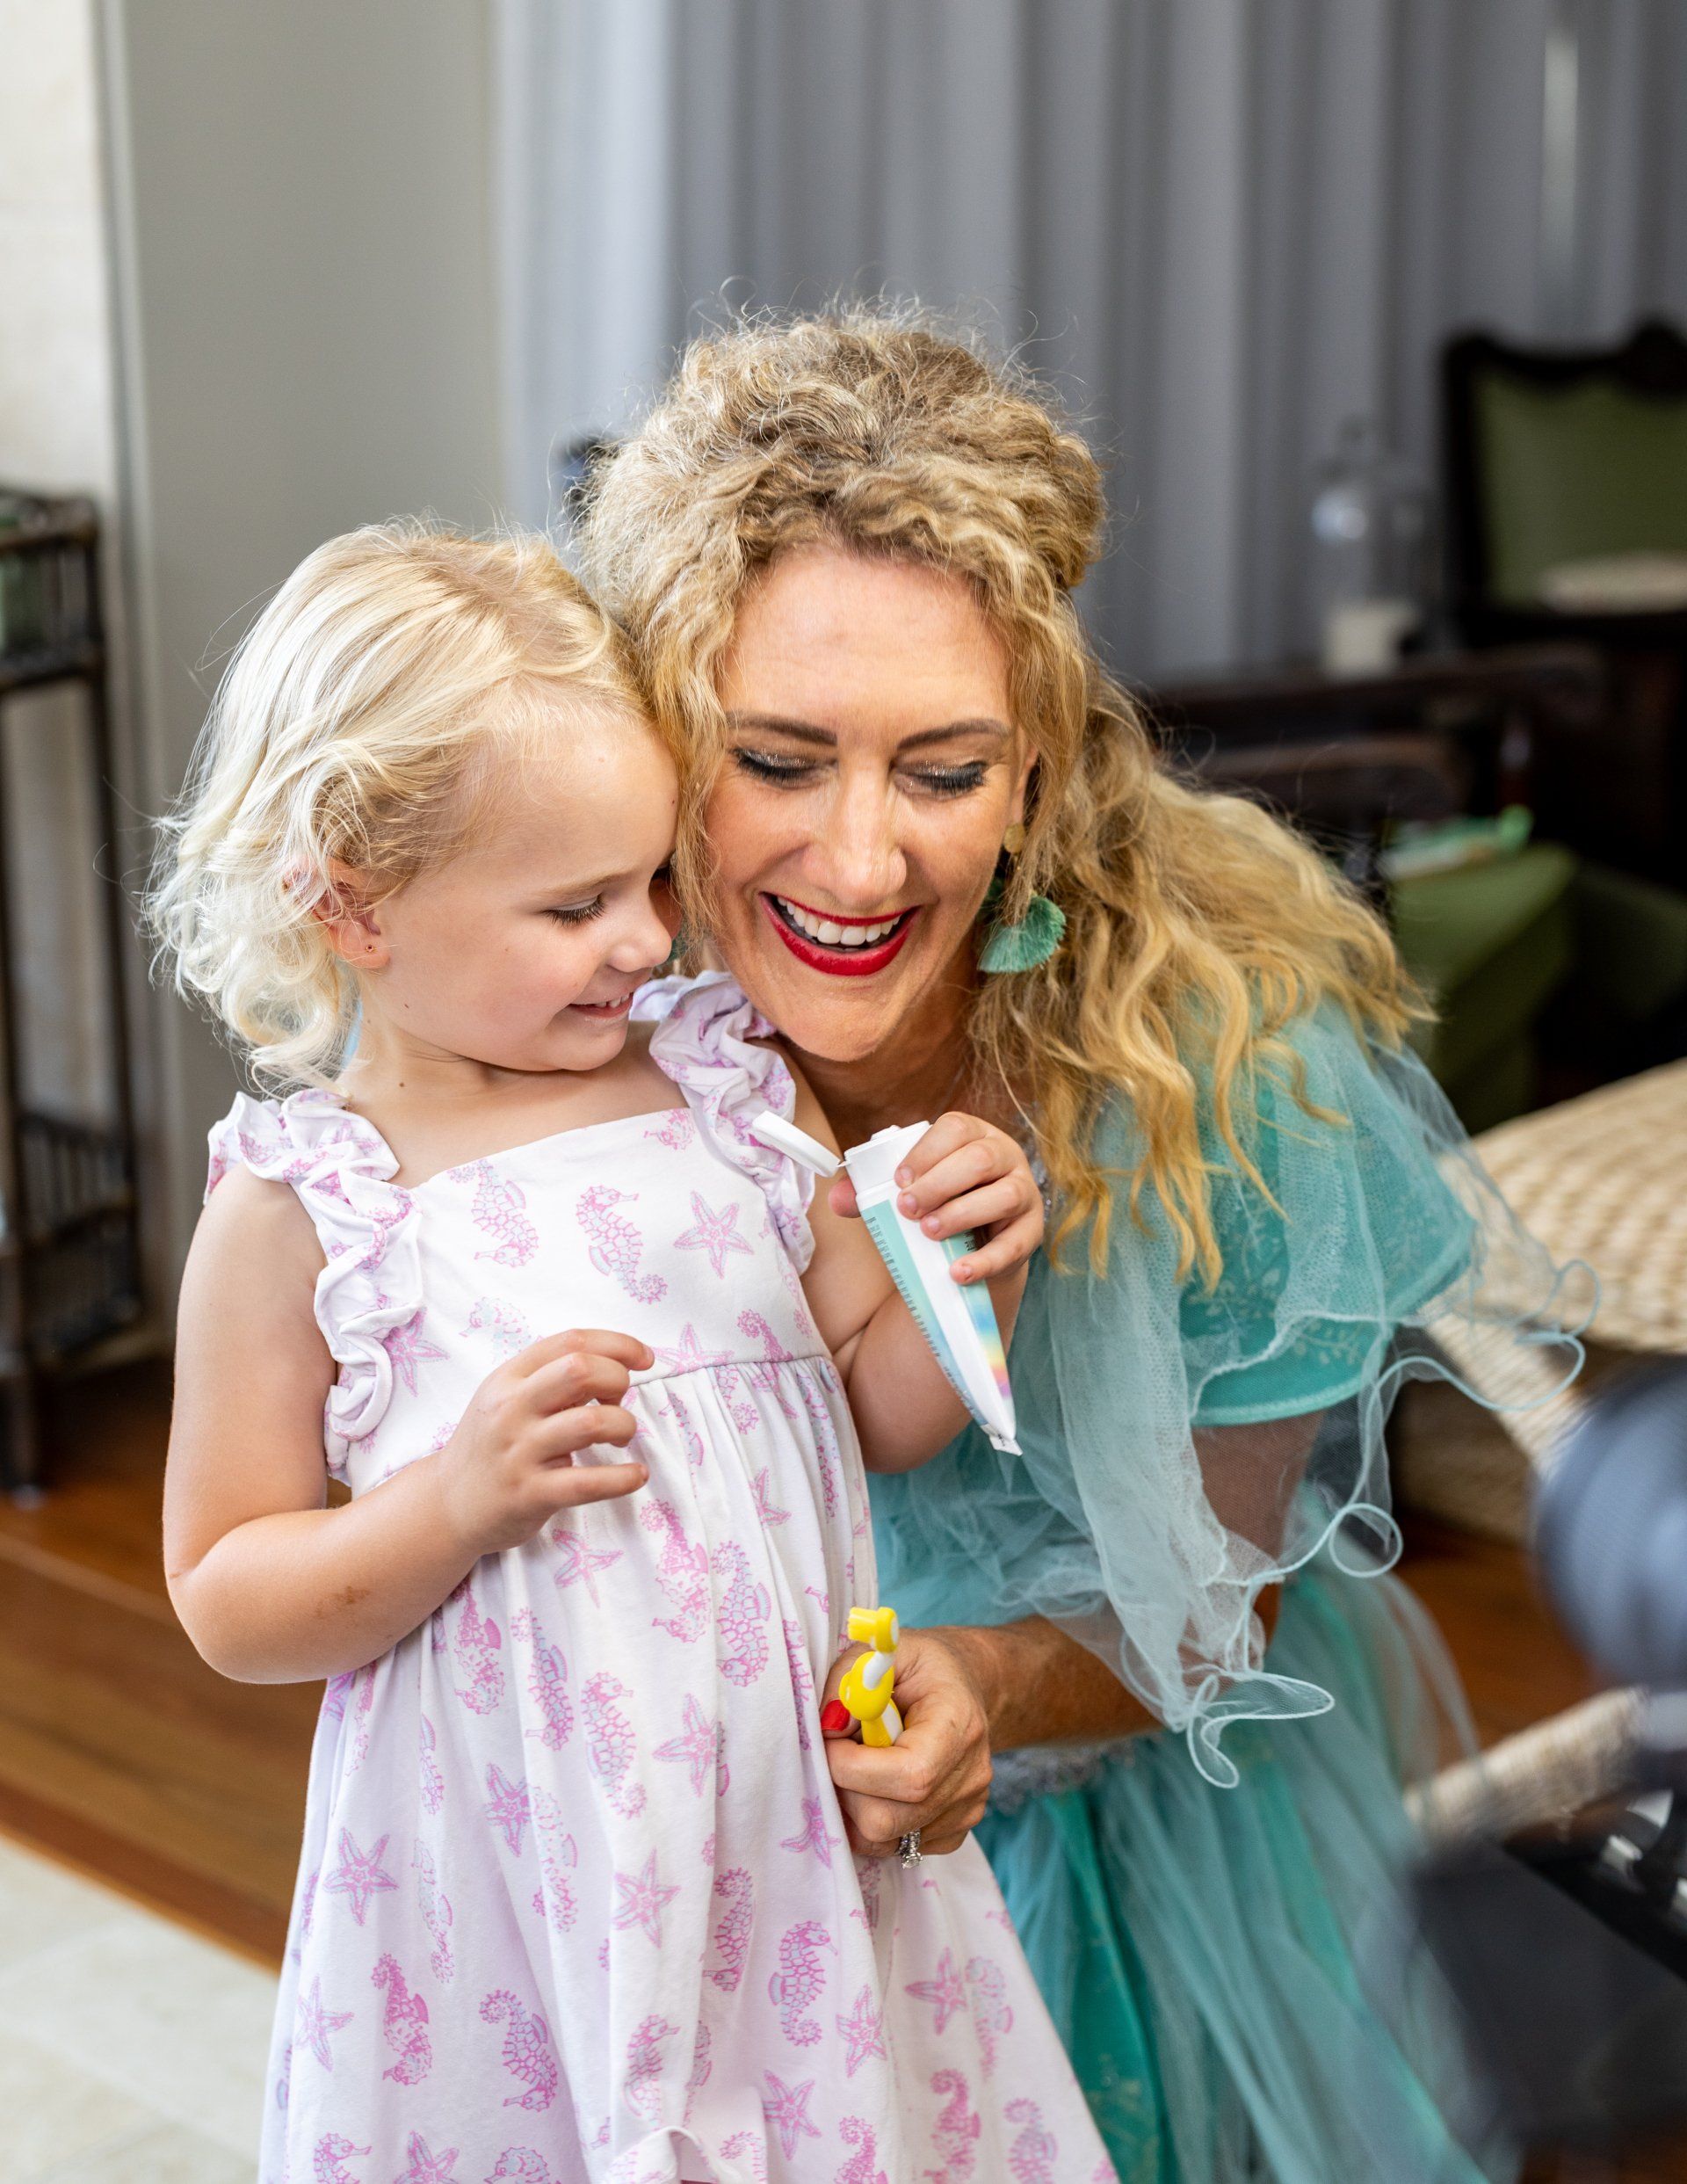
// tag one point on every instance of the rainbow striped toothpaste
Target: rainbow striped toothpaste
(957, 1319)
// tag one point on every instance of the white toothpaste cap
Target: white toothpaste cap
(774, 1130)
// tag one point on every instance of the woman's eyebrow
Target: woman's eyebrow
(805, 732)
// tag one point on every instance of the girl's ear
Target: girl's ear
(347, 918)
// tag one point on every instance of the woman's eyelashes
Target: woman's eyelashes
(785, 772)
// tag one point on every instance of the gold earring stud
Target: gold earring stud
(1014, 840)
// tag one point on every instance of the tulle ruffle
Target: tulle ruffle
(1164, 1481)
(705, 1041)
(368, 1300)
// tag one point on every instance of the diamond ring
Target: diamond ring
(908, 1848)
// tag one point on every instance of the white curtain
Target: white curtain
(1221, 227)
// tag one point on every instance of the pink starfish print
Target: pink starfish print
(358, 1875)
(691, 1356)
(407, 1347)
(863, 2030)
(426, 2167)
(314, 2024)
(765, 1509)
(787, 2109)
(946, 1994)
(581, 1560)
(507, 1806)
(812, 1835)
(642, 1899)
(715, 1233)
(700, 1748)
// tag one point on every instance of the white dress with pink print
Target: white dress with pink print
(574, 1902)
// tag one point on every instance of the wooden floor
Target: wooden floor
(122, 1754)
(120, 1751)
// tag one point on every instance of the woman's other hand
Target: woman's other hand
(936, 1776)
(966, 1176)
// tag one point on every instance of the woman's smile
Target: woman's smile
(841, 946)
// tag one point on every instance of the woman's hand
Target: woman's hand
(510, 1466)
(936, 1776)
(965, 1174)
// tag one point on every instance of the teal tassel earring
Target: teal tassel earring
(1034, 937)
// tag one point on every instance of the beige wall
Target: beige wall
(56, 434)
(305, 314)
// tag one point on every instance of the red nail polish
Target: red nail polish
(835, 1715)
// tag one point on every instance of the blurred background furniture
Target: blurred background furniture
(1349, 758)
(68, 1269)
(1567, 464)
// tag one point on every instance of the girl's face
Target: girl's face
(523, 951)
(873, 769)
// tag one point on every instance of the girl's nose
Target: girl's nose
(646, 942)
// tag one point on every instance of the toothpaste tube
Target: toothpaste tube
(957, 1320)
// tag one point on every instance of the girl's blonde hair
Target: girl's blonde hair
(353, 728)
(1197, 927)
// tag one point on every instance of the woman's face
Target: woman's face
(872, 772)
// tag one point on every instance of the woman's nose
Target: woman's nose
(857, 859)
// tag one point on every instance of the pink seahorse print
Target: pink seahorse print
(825, 1443)
(955, 2135)
(700, 2066)
(799, 1980)
(477, 1643)
(527, 2052)
(742, 2147)
(547, 1683)
(737, 1891)
(554, 1899)
(328, 2161)
(802, 1680)
(509, 1330)
(616, 1244)
(362, 1705)
(611, 1745)
(677, 1410)
(641, 2090)
(499, 1211)
(991, 2015)
(382, 1221)
(682, 1572)
(435, 1908)
(863, 2166)
(1032, 2157)
(792, 1280)
(520, 2165)
(676, 1130)
(404, 2024)
(744, 1612)
(432, 1787)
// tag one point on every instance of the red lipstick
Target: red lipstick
(835, 961)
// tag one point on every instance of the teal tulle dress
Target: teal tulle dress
(1209, 1908)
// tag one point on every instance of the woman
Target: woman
(937, 851)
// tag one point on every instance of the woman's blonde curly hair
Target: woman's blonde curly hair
(1197, 927)
(353, 731)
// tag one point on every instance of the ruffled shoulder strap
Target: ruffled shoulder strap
(705, 1041)
(368, 1302)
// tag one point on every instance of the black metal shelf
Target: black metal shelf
(70, 1255)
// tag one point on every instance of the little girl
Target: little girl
(574, 1902)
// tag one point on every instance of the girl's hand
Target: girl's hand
(509, 1466)
(966, 1174)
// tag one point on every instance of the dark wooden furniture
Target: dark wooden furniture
(69, 1255)
(1346, 756)
(1621, 795)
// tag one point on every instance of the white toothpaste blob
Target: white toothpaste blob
(957, 1320)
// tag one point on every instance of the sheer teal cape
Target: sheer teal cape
(1163, 1482)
